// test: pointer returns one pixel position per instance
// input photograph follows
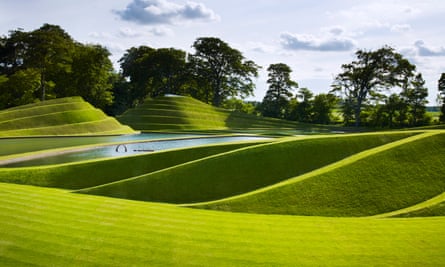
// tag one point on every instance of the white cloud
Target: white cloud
(126, 32)
(400, 27)
(149, 12)
(310, 42)
(426, 51)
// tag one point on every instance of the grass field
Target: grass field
(96, 172)
(64, 116)
(243, 170)
(364, 199)
(385, 179)
(50, 227)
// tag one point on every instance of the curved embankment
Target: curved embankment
(186, 113)
(242, 170)
(381, 180)
(91, 173)
(432, 207)
(49, 227)
(63, 116)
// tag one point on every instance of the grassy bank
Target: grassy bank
(64, 116)
(242, 170)
(42, 227)
(391, 177)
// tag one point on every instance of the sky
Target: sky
(313, 37)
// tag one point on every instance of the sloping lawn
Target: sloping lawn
(50, 227)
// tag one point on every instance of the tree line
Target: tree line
(379, 88)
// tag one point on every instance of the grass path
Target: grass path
(41, 227)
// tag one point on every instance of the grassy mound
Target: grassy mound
(242, 170)
(49, 227)
(436, 210)
(389, 178)
(186, 113)
(65, 116)
(92, 173)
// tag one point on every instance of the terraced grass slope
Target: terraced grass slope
(384, 179)
(91, 173)
(51, 227)
(186, 113)
(243, 170)
(64, 116)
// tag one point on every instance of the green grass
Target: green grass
(388, 178)
(436, 210)
(242, 170)
(96, 172)
(49, 227)
(186, 113)
(65, 116)
(392, 174)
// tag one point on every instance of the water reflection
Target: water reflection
(126, 149)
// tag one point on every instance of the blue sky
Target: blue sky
(313, 37)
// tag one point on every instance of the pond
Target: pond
(123, 149)
(11, 146)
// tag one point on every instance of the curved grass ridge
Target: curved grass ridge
(43, 227)
(431, 207)
(186, 113)
(96, 172)
(243, 170)
(380, 180)
(64, 116)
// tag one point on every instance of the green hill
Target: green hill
(51, 227)
(334, 177)
(242, 170)
(96, 172)
(64, 116)
(186, 113)
(385, 179)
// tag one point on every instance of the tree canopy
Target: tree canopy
(222, 69)
(441, 88)
(370, 74)
(51, 64)
(276, 100)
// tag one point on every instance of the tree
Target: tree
(48, 50)
(223, 69)
(372, 72)
(20, 88)
(12, 51)
(322, 108)
(154, 72)
(441, 87)
(276, 101)
(166, 67)
(304, 108)
(91, 75)
(415, 95)
(133, 68)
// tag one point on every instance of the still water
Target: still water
(126, 149)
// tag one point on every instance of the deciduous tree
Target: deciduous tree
(223, 68)
(369, 74)
(441, 87)
(276, 101)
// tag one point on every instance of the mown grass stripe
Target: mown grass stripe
(245, 240)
